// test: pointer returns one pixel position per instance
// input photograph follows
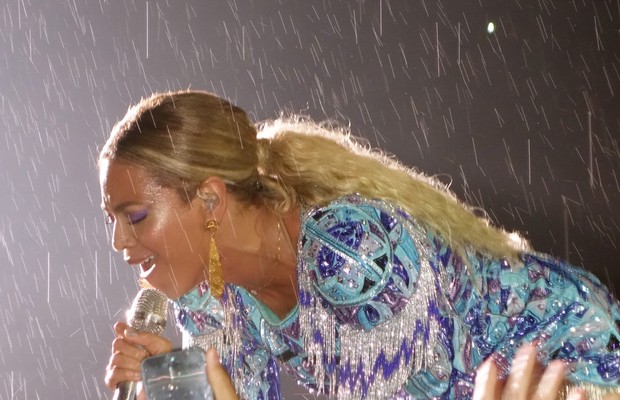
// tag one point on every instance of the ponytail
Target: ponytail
(307, 164)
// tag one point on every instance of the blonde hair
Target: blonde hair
(184, 137)
(314, 164)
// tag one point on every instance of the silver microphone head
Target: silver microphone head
(148, 311)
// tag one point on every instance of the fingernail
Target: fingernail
(130, 332)
(525, 353)
(526, 350)
(577, 394)
(554, 372)
(212, 356)
(557, 366)
(483, 372)
(485, 367)
(482, 379)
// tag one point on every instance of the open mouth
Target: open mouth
(147, 266)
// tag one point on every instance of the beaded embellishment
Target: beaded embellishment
(354, 358)
(386, 309)
(210, 322)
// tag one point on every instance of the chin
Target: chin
(165, 282)
(174, 292)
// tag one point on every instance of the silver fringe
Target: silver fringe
(227, 341)
(360, 348)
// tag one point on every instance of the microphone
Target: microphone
(147, 314)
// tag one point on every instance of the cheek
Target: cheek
(154, 239)
(182, 236)
(153, 233)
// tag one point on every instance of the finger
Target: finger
(551, 381)
(114, 375)
(612, 397)
(120, 360)
(152, 343)
(576, 394)
(120, 327)
(518, 386)
(120, 345)
(486, 386)
(222, 386)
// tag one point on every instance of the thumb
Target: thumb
(218, 378)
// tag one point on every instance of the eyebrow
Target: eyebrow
(120, 207)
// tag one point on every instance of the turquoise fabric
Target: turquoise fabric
(364, 260)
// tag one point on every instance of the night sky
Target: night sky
(514, 103)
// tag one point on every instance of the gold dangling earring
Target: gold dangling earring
(216, 279)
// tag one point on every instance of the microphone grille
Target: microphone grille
(148, 311)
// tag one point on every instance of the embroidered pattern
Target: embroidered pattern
(387, 309)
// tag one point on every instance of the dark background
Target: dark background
(524, 122)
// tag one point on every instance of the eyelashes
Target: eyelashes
(133, 218)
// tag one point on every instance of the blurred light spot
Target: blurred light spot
(491, 27)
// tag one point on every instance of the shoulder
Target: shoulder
(356, 211)
(362, 257)
(368, 294)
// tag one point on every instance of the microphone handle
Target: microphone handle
(125, 391)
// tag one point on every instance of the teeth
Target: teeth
(147, 262)
(146, 266)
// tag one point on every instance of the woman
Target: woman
(298, 249)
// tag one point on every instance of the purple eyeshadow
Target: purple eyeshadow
(137, 216)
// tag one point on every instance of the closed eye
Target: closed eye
(137, 216)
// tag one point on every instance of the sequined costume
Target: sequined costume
(387, 310)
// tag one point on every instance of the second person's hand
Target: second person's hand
(527, 380)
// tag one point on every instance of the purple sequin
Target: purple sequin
(328, 262)
(609, 367)
(348, 233)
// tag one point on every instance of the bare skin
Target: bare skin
(527, 380)
(165, 238)
(153, 223)
(131, 347)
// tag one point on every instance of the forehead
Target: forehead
(122, 181)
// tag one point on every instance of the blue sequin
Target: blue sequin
(538, 299)
(348, 233)
(329, 263)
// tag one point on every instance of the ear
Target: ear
(212, 197)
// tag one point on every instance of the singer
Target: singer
(292, 247)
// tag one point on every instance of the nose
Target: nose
(122, 237)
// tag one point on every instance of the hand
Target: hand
(218, 378)
(128, 350)
(526, 381)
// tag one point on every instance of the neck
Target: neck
(261, 257)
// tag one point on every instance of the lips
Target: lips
(147, 266)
